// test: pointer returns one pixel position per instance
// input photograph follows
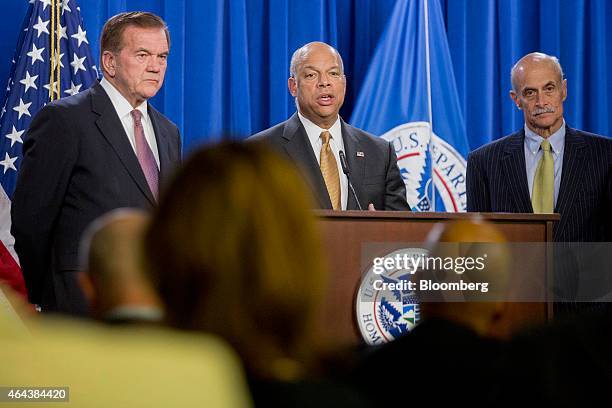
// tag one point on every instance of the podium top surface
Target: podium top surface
(438, 216)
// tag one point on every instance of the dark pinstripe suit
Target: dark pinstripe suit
(497, 182)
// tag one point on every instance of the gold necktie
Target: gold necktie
(329, 170)
(542, 198)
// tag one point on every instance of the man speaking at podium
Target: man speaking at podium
(340, 162)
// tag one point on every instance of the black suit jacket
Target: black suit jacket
(564, 364)
(445, 363)
(374, 174)
(497, 182)
(77, 165)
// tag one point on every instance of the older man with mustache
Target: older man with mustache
(547, 166)
(319, 141)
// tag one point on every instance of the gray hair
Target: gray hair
(534, 56)
(300, 54)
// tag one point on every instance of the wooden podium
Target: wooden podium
(345, 232)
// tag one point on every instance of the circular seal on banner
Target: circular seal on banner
(415, 160)
(386, 304)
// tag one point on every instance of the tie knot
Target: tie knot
(137, 115)
(545, 145)
(325, 136)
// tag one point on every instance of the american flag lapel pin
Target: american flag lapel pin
(360, 154)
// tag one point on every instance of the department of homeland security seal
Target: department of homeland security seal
(384, 314)
(411, 143)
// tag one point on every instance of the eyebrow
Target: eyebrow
(532, 88)
(315, 69)
(149, 52)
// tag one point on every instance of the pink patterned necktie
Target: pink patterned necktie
(145, 155)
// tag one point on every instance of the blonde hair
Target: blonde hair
(234, 251)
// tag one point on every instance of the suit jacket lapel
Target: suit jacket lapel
(300, 150)
(109, 124)
(163, 144)
(352, 145)
(571, 171)
(515, 172)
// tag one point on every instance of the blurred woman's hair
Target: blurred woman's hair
(234, 250)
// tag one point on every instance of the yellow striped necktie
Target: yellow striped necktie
(329, 170)
(542, 198)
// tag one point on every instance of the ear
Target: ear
(515, 98)
(292, 85)
(109, 63)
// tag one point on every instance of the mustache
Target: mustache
(546, 109)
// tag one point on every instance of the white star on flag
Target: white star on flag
(23, 108)
(80, 36)
(41, 27)
(28, 81)
(9, 162)
(15, 136)
(55, 87)
(58, 57)
(74, 89)
(36, 54)
(45, 3)
(63, 32)
(77, 63)
(65, 6)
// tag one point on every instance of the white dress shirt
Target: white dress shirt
(123, 109)
(336, 143)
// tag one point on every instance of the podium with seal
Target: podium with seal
(348, 235)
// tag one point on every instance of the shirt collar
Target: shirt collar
(122, 106)
(557, 140)
(314, 131)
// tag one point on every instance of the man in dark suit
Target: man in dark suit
(315, 136)
(547, 166)
(91, 153)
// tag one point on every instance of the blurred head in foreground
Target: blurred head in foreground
(115, 282)
(471, 238)
(234, 251)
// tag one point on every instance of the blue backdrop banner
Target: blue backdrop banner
(229, 59)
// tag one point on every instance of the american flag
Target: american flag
(52, 33)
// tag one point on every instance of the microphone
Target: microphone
(347, 171)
